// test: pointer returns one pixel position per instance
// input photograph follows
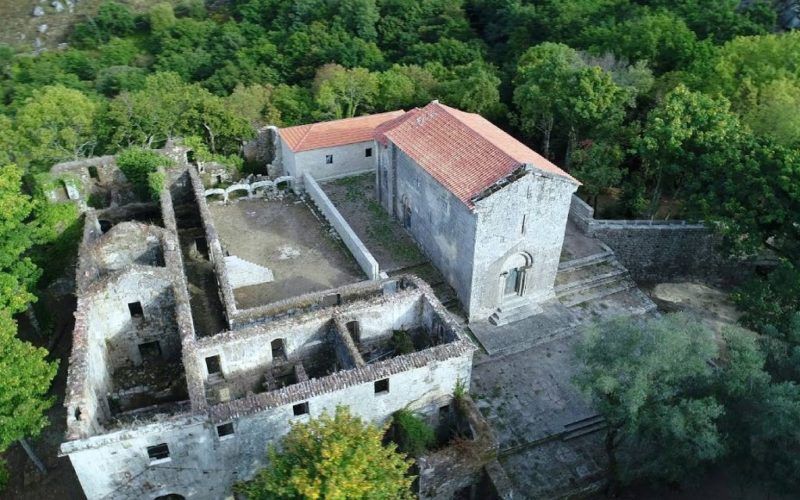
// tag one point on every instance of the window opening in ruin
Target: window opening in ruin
(190, 157)
(219, 179)
(333, 299)
(77, 413)
(278, 349)
(105, 225)
(135, 308)
(150, 351)
(368, 152)
(158, 453)
(225, 429)
(382, 386)
(213, 365)
(93, 172)
(354, 331)
(300, 409)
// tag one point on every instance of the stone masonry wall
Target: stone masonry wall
(660, 250)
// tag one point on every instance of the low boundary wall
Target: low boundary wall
(351, 240)
(660, 250)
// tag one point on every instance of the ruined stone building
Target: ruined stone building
(488, 211)
(188, 360)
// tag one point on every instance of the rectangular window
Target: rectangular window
(158, 453)
(328, 159)
(382, 386)
(224, 430)
(300, 409)
(135, 308)
(213, 365)
(368, 152)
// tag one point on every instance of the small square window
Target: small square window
(382, 386)
(135, 308)
(328, 159)
(158, 453)
(224, 430)
(213, 365)
(300, 409)
(368, 152)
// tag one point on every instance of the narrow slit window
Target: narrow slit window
(300, 409)
(382, 386)
(524, 219)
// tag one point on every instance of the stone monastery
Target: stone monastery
(206, 326)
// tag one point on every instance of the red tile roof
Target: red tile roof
(334, 133)
(465, 152)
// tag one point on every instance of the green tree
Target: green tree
(55, 124)
(649, 379)
(473, 87)
(26, 380)
(776, 112)
(161, 17)
(18, 274)
(140, 167)
(599, 166)
(342, 93)
(332, 457)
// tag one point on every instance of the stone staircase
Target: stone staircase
(243, 273)
(514, 309)
(591, 278)
(583, 427)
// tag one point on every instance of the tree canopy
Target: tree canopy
(333, 456)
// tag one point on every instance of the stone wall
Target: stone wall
(520, 225)
(656, 251)
(442, 226)
(357, 248)
(349, 159)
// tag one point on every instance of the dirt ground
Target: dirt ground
(391, 246)
(287, 237)
(711, 304)
(60, 481)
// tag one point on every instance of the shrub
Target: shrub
(137, 164)
(411, 433)
(155, 183)
(401, 341)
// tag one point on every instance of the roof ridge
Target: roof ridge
(308, 131)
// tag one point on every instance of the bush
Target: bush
(155, 184)
(412, 434)
(401, 341)
(137, 164)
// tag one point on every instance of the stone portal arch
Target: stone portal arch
(512, 278)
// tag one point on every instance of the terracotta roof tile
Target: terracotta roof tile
(465, 152)
(334, 133)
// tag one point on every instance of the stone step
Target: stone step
(500, 318)
(590, 282)
(570, 276)
(512, 303)
(582, 431)
(575, 264)
(584, 422)
(597, 292)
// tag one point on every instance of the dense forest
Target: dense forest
(663, 109)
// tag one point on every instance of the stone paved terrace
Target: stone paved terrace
(285, 236)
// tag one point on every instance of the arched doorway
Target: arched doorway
(171, 496)
(512, 279)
